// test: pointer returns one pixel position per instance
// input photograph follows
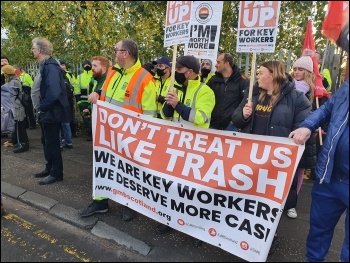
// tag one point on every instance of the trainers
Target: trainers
(96, 207)
(292, 213)
(68, 146)
(274, 244)
(128, 214)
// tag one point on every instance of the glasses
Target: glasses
(117, 49)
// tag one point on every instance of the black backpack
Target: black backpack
(69, 88)
(24, 96)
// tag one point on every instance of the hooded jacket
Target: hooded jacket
(228, 96)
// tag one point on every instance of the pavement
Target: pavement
(64, 199)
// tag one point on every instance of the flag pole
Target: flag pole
(171, 88)
(324, 56)
(252, 77)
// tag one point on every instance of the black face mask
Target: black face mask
(87, 68)
(160, 72)
(205, 72)
(180, 77)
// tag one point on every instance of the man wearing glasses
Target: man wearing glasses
(130, 86)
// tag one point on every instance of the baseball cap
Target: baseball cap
(189, 62)
(162, 60)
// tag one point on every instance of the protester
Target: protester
(19, 139)
(191, 104)
(27, 83)
(100, 66)
(4, 61)
(276, 109)
(82, 91)
(326, 74)
(205, 71)
(304, 79)
(51, 104)
(163, 79)
(66, 131)
(127, 70)
(229, 86)
(149, 67)
(330, 192)
(72, 80)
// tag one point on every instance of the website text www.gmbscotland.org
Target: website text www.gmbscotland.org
(133, 199)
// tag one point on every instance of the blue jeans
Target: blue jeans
(231, 127)
(67, 133)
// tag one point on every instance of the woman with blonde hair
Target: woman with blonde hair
(276, 109)
(305, 82)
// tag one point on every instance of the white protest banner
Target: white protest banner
(227, 190)
(257, 26)
(178, 17)
(205, 30)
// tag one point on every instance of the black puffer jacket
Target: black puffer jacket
(290, 110)
(227, 96)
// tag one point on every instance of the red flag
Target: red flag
(309, 49)
(336, 23)
(309, 40)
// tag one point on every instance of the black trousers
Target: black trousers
(30, 115)
(19, 135)
(50, 138)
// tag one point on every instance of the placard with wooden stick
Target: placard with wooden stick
(173, 64)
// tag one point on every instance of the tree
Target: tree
(80, 30)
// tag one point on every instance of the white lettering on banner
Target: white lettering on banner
(262, 13)
(186, 139)
(116, 120)
(216, 187)
(177, 11)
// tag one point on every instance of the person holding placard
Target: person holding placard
(191, 104)
(276, 109)
(132, 87)
(229, 86)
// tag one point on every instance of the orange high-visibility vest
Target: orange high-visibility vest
(134, 91)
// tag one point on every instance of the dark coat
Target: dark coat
(291, 108)
(227, 97)
(54, 106)
(288, 112)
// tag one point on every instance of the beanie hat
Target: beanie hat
(207, 61)
(87, 62)
(304, 62)
(8, 69)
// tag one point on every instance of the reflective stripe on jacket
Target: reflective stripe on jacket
(201, 99)
(83, 88)
(132, 88)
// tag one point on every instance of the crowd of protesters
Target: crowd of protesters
(281, 106)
